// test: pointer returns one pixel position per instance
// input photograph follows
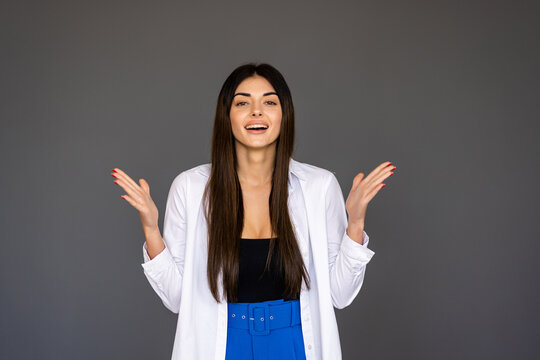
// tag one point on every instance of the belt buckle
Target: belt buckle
(253, 319)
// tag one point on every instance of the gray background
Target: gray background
(448, 91)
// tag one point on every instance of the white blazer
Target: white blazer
(336, 264)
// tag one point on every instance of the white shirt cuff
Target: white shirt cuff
(159, 263)
(356, 250)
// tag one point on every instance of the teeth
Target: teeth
(256, 127)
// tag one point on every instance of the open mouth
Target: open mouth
(256, 129)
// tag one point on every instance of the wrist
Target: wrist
(151, 230)
(355, 225)
(356, 232)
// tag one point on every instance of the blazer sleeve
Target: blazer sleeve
(347, 259)
(165, 271)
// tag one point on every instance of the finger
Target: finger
(374, 192)
(133, 193)
(383, 166)
(377, 171)
(357, 179)
(132, 202)
(145, 185)
(386, 172)
(127, 180)
(122, 175)
(127, 186)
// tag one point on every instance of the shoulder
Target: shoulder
(312, 173)
(197, 175)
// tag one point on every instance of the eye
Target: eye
(240, 102)
(272, 103)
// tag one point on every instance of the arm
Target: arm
(164, 271)
(347, 258)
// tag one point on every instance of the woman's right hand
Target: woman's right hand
(139, 197)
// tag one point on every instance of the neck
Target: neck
(255, 166)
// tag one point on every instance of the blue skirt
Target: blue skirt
(265, 330)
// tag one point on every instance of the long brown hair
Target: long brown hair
(223, 204)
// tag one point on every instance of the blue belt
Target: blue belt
(260, 318)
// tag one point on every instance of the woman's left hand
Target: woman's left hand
(363, 190)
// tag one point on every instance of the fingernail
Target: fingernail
(113, 175)
(113, 170)
(394, 168)
(389, 164)
(383, 185)
(116, 182)
(391, 174)
(123, 197)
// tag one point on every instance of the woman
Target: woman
(256, 249)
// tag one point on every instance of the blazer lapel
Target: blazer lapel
(314, 200)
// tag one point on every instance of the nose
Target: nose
(256, 109)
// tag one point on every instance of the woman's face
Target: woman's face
(255, 101)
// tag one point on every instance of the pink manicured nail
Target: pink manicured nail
(123, 197)
(391, 174)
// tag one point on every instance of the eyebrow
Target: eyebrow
(247, 94)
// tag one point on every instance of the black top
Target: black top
(252, 287)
